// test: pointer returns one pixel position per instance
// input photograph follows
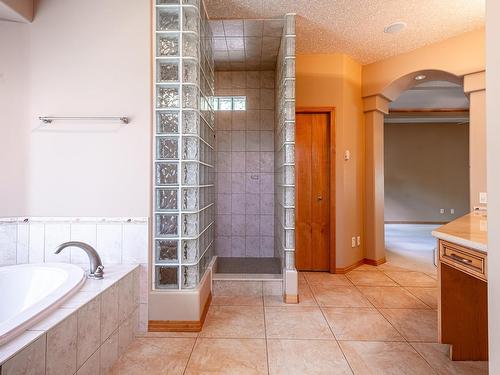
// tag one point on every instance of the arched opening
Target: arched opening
(376, 107)
(426, 165)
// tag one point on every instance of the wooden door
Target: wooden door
(312, 150)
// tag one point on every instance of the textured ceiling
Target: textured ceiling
(246, 44)
(356, 27)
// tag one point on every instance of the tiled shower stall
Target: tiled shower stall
(231, 195)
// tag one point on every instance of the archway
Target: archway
(375, 108)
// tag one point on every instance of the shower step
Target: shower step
(228, 287)
(247, 276)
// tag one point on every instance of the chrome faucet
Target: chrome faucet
(96, 268)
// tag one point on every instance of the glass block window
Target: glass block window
(183, 166)
(230, 103)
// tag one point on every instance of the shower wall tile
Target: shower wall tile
(245, 151)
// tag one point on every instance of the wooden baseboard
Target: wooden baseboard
(291, 298)
(371, 262)
(349, 268)
(417, 222)
(180, 325)
(374, 262)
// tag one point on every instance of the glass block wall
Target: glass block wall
(285, 147)
(183, 207)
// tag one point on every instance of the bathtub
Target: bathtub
(29, 292)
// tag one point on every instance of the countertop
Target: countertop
(470, 231)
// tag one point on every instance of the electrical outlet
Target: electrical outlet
(358, 240)
(452, 211)
(483, 198)
(441, 211)
(353, 242)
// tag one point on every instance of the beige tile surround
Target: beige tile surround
(85, 335)
(349, 331)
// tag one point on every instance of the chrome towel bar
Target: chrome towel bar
(49, 120)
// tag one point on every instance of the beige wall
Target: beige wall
(426, 169)
(384, 81)
(334, 80)
(78, 58)
(493, 160)
(463, 54)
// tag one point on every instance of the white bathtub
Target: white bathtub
(29, 292)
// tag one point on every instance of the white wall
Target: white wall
(77, 58)
(493, 158)
(13, 131)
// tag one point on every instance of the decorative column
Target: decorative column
(474, 88)
(375, 107)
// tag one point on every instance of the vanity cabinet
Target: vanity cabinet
(463, 301)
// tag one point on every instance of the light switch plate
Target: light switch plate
(483, 198)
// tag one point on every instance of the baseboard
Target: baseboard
(291, 298)
(350, 268)
(417, 222)
(180, 325)
(371, 262)
(374, 262)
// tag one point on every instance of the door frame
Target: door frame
(331, 112)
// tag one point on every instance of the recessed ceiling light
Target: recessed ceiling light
(395, 27)
(420, 77)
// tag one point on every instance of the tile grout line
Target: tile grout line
(328, 323)
(265, 332)
(408, 343)
(191, 353)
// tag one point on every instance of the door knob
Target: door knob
(320, 198)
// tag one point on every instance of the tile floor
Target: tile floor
(374, 320)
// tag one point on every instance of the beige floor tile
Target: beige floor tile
(339, 296)
(437, 356)
(237, 300)
(363, 324)
(305, 297)
(299, 357)
(413, 324)
(391, 267)
(228, 356)
(296, 323)
(392, 297)
(326, 278)
(367, 267)
(384, 358)
(167, 334)
(429, 296)
(234, 322)
(151, 356)
(412, 279)
(370, 278)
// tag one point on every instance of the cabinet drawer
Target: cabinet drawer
(464, 259)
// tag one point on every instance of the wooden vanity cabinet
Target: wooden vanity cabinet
(463, 302)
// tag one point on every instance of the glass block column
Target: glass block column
(183, 207)
(285, 147)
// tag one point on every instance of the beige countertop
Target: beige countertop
(470, 231)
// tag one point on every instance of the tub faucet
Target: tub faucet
(96, 267)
